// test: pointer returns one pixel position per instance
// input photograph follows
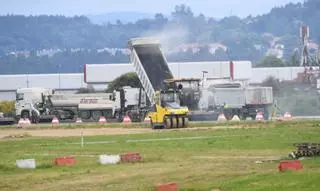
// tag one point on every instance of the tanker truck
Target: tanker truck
(41, 104)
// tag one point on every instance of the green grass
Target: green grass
(222, 159)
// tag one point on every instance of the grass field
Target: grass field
(196, 160)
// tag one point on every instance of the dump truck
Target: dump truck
(41, 104)
(233, 98)
(153, 72)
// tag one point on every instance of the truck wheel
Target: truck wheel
(25, 114)
(266, 114)
(57, 114)
(168, 123)
(85, 114)
(185, 122)
(35, 118)
(174, 122)
(180, 122)
(95, 115)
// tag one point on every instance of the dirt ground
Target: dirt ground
(94, 131)
(72, 132)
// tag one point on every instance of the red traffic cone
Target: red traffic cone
(259, 116)
(21, 123)
(27, 121)
(79, 120)
(222, 117)
(287, 116)
(147, 120)
(102, 120)
(126, 120)
(235, 118)
(55, 121)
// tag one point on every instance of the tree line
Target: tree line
(244, 38)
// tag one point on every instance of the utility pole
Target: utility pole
(304, 35)
(80, 68)
(203, 72)
(28, 80)
(59, 66)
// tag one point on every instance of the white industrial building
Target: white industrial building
(99, 75)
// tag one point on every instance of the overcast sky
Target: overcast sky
(213, 8)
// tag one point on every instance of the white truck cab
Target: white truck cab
(26, 98)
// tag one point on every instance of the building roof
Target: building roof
(54, 81)
(101, 74)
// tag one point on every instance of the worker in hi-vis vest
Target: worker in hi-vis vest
(225, 109)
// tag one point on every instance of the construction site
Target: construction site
(173, 133)
(166, 101)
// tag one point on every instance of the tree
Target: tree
(271, 61)
(88, 89)
(295, 59)
(128, 79)
(272, 82)
(7, 107)
(245, 38)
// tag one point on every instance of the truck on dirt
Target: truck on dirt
(41, 104)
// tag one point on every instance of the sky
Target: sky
(212, 8)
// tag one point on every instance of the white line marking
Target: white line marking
(65, 154)
(179, 138)
(145, 140)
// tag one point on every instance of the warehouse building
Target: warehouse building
(99, 75)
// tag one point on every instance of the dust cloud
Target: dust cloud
(169, 36)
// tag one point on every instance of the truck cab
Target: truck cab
(29, 101)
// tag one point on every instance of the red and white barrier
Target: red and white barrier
(172, 186)
(60, 161)
(26, 163)
(109, 159)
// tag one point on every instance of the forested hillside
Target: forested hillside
(41, 44)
